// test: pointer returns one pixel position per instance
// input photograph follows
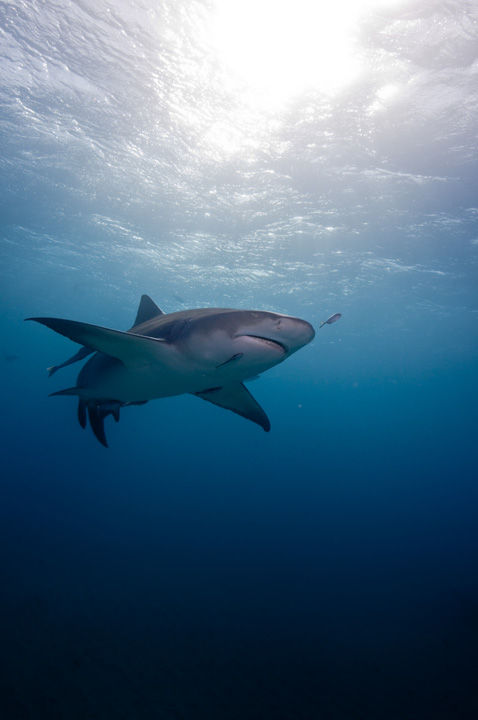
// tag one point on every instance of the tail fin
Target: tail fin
(82, 413)
(96, 417)
(96, 413)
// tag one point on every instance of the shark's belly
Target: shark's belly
(104, 378)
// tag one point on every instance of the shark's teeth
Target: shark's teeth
(272, 343)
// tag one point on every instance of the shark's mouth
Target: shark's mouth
(272, 343)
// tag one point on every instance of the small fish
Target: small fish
(331, 319)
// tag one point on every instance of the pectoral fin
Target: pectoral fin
(132, 350)
(238, 399)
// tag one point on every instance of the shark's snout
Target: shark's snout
(307, 331)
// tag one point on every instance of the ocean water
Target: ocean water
(273, 156)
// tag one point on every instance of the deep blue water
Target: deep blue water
(200, 568)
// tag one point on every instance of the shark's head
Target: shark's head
(281, 333)
(246, 342)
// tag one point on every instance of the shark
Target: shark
(206, 352)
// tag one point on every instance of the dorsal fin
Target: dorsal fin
(147, 310)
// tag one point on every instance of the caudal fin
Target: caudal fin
(82, 413)
(96, 413)
(96, 417)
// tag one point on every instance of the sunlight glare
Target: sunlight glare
(280, 48)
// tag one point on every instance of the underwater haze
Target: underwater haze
(305, 158)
